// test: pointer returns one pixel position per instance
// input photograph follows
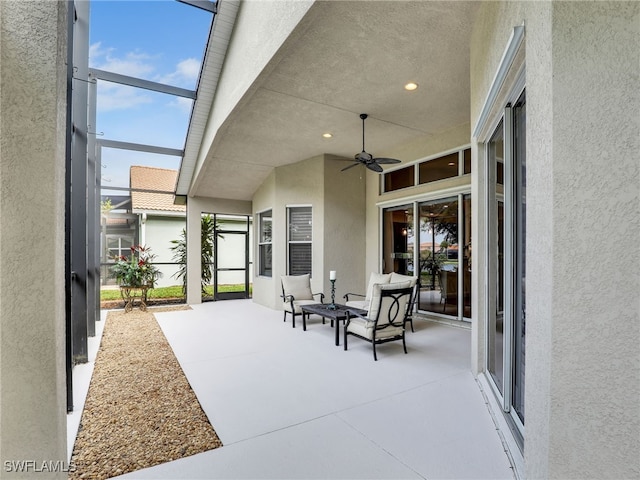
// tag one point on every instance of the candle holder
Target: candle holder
(332, 305)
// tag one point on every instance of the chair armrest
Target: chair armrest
(346, 296)
(321, 296)
(353, 313)
(287, 298)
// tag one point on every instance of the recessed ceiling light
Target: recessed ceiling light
(452, 164)
(327, 135)
(411, 86)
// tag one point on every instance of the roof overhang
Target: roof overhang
(216, 50)
(346, 58)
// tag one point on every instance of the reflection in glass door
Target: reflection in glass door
(398, 240)
(495, 355)
(439, 256)
(443, 267)
(467, 264)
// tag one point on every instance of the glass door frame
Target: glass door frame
(217, 295)
(415, 201)
(506, 122)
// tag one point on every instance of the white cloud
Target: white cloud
(186, 72)
(182, 104)
(189, 68)
(95, 52)
(112, 96)
(133, 64)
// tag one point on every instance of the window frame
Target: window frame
(262, 243)
(291, 242)
(416, 169)
(504, 122)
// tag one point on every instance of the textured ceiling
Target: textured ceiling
(355, 57)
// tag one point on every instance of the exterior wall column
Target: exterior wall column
(33, 50)
(583, 362)
(194, 246)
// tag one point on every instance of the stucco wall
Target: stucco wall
(583, 329)
(595, 375)
(344, 229)
(337, 200)
(32, 152)
(158, 233)
(264, 199)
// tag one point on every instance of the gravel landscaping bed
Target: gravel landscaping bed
(140, 410)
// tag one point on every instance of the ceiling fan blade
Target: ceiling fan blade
(350, 166)
(386, 160)
(374, 166)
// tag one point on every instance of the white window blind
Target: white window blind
(299, 242)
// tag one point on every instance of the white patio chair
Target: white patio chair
(385, 319)
(296, 291)
(362, 301)
(415, 285)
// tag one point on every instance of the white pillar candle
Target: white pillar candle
(332, 275)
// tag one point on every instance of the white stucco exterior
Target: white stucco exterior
(582, 196)
(337, 203)
(157, 232)
(581, 66)
(33, 43)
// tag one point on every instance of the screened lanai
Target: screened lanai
(136, 77)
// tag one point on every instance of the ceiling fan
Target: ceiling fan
(367, 159)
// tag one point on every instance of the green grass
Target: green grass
(174, 291)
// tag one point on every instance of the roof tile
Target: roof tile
(152, 178)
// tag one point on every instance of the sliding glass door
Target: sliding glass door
(506, 254)
(439, 256)
(434, 243)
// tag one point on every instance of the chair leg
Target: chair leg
(375, 357)
(345, 337)
(284, 319)
(409, 320)
(404, 344)
(304, 322)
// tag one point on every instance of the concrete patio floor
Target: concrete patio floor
(290, 404)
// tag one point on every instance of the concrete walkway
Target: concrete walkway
(290, 404)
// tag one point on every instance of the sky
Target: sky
(158, 40)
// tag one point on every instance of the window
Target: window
(299, 241)
(398, 179)
(118, 246)
(450, 165)
(264, 244)
(467, 160)
(439, 168)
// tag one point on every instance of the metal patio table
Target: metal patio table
(325, 311)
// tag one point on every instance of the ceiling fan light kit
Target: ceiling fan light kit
(367, 159)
